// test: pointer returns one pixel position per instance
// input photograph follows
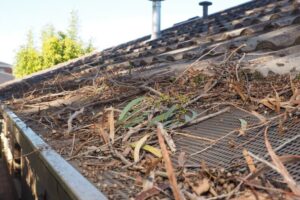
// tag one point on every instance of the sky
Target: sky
(106, 22)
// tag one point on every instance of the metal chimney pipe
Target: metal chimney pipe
(205, 5)
(156, 19)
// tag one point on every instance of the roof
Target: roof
(5, 65)
(213, 67)
(5, 77)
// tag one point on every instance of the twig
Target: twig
(266, 188)
(201, 119)
(201, 95)
(73, 144)
(151, 90)
(286, 143)
(190, 66)
(215, 142)
(209, 116)
(237, 188)
(117, 154)
(168, 163)
(284, 159)
(262, 160)
(233, 52)
(82, 145)
(170, 142)
(111, 122)
(134, 130)
(194, 137)
(238, 66)
(219, 197)
(281, 168)
(71, 118)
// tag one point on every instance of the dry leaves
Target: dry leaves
(138, 146)
(111, 122)
(200, 186)
(168, 163)
(249, 161)
(281, 168)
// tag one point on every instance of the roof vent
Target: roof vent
(156, 15)
(205, 5)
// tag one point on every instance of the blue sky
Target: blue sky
(106, 22)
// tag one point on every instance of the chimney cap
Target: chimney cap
(205, 3)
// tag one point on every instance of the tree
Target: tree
(73, 26)
(56, 47)
(28, 59)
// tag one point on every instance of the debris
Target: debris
(280, 168)
(148, 183)
(129, 107)
(138, 146)
(259, 116)
(244, 126)
(168, 164)
(169, 140)
(182, 159)
(249, 161)
(151, 149)
(111, 122)
(201, 186)
(115, 135)
(193, 136)
(151, 192)
(71, 118)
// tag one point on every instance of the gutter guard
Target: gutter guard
(44, 171)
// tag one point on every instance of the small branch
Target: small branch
(216, 141)
(201, 119)
(263, 161)
(71, 118)
(170, 142)
(286, 143)
(201, 95)
(190, 66)
(151, 90)
(196, 121)
(232, 53)
(73, 144)
(238, 66)
(194, 137)
(281, 169)
(117, 154)
(111, 122)
(168, 163)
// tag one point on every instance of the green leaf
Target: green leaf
(243, 128)
(129, 106)
(188, 118)
(164, 116)
(134, 122)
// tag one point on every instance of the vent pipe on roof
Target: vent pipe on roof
(205, 5)
(156, 17)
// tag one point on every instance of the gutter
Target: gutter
(42, 173)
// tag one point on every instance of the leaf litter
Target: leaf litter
(125, 130)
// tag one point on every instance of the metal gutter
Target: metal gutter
(50, 176)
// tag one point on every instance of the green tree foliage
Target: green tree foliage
(28, 58)
(56, 47)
